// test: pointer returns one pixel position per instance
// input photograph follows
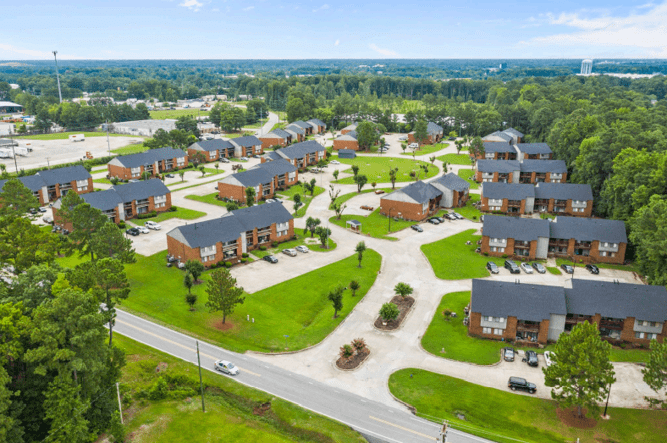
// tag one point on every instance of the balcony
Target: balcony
(525, 178)
(514, 203)
(142, 203)
(582, 245)
(263, 231)
(559, 243)
(503, 178)
(527, 327)
(614, 323)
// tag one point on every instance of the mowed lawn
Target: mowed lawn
(305, 198)
(298, 241)
(469, 176)
(182, 213)
(229, 406)
(208, 198)
(175, 113)
(374, 224)
(298, 307)
(469, 211)
(452, 259)
(456, 159)
(133, 148)
(425, 149)
(65, 135)
(377, 169)
(505, 417)
(342, 199)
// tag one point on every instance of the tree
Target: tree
(338, 209)
(333, 194)
(250, 196)
(368, 134)
(109, 241)
(85, 221)
(195, 268)
(355, 170)
(648, 233)
(217, 167)
(311, 186)
(188, 124)
(392, 177)
(202, 169)
(335, 296)
(447, 313)
(188, 282)
(403, 289)
(404, 146)
(655, 372)
(360, 249)
(145, 175)
(191, 299)
(354, 286)
(297, 202)
(459, 146)
(311, 225)
(421, 131)
(346, 352)
(335, 174)
(360, 181)
(197, 158)
(581, 373)
(223, 293)
(323, 234)
(16, 199)
(476, 148)
(182, 175)
(389, 312)
(432, 160)
(23, 245)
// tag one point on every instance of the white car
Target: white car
(526, 268)
(290, 252)
(226, 367)
(335, 162)
(244, 159)
(152, 225)
(413, 145)
(548, 358)
(224, 159)
(303, 249)
(403, 138)
(143, 229)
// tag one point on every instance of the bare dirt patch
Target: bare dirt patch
(217, 324)
(262, 409)
(355, 361)
(404, 304)
(570, 418)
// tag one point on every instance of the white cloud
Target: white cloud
(192, 5)
(644, 33)
(647, 5)
(249, 8)
(321, 8)
(381, 51)
(337, 42)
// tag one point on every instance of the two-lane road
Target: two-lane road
(366, 416)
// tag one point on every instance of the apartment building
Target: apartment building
(265, 178)
(434, 131)
(51, 184)
(526, 171)
(212, 150)
(301, 155)
(555, 198)
(346, 141)
(153, 161)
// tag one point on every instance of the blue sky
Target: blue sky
(247, 29)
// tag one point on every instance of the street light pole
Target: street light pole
(389, 218)
(607, 404)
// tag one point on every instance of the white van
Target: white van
(77, 138)
(413, 145)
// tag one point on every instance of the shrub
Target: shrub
(447, 313)
(173, 209)
(346, 351)
(245, 255)
(262, 248)
(121, 224)
(389, 311)
(486, 254)
(244, 260)
(358, 344)
(274, 244)
(228, 264)
(505, 255)
(474, 217)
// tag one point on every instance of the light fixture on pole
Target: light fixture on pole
(60, 94)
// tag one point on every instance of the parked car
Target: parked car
(224, 160)
(143, 229)
(133, 232)
(270, 259)
(567, 268)
(440, 219)
(548, 358)
(403, 138)
(226, 367)
(521, 384)
(47, 219)
(434, 221)
(492, 267)
(244, 159)
(133, 181)
(335, 162)
(449, 216)
(451, 139)
(531, 358)
(33, 211)
(508, 354)
(526, 268)
(457, 215)
(269, 200)
(290, 252)
(512, 267)
(42, 210)
(152, 225)
(417, 228)
(170, 175)
(302, 248)
(539, 268)
(593, 269)
(413, 145)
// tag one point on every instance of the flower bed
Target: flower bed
(353, 362)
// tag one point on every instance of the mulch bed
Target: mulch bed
(355, 361)
(404, 305)
(570, 418)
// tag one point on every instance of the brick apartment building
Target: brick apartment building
(502, 150)
(301, 155)
(247, 146)
(298, 131)
(225, 239)
(346, 141)
(533, 313)
(266, 178)
(212, 150)
(349, 128)
(526, 171)
(522, 237)
(277, 137)
(498, 151)
(534, 151)
(49, 185)
(510, 135)
(555, 198)
(435, 134)
(153, 161)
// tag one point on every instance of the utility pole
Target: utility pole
(120, 408)
(201, 385)
(607, 404)
(60, 94)
(443, 432)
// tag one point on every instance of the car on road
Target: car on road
(42, 210)
(243, 159)
(224, 160)
(512, 267)
(567, 268)
(538, 267)
(531, 359)
(270, 259)
(152, 225)
(226, 367)
(302, 248)
(133, 232)
(508, 354)
(593, 269)
(417, 228)
(335, 162)
(548, 358)
(143, 229)
(434, 221)
(521, 384)
(290, 252)
(526, 268)
(492, 267)
(458, 216)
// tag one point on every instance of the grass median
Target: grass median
(456, 159)
(306, 198)
(425, 149)
(298, 241)
(374, 224)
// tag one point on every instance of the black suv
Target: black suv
(133, 232)
(508, 354)
(513, 268)
(531, 358)
(567, 268)
(593, 269)
(515, 383)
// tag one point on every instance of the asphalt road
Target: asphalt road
(391, 425)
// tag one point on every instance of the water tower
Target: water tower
(587, 67)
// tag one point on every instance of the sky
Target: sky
(323, 29)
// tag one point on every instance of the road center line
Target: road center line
(400, 427)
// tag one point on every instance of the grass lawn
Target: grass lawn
(305, 198)
(345, 197)
(182, 213)
(163, 115)
(452, 259)
(65, 135)
(630, 267)
(456, 159)
(208, 198)
(469, 211)
(191, 186)
(278, 126)
(134, 148)
(300, 240)
(554, 271)
(377, 169)
(426, 149)
(102, 180)
(233, 135)
(229, 406)
(257, 125)
(374, 224)
(468, 175)
(180, 183)
(298, 307)
(506, 417)
(98, 169)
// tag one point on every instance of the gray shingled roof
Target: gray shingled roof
(500, 135)
(501, 166)
(103, 200)
(300, 150)
(247, 141)
(32, 182)
(508, 191)
(304, 125)
(64, 175)
(278, 167)
(563, 191)
(281, 133)
(513, 132)
(498, 147)
(617, 300)
(296, 128)
(528, 302)
(588, 229)
(419, 191)
(432, 128)
(317, 122)
(272, 134)
(141, 190)
(453, 182)
(351, 126)
(523, 229)
(557, 166)
(149, 157)
(252, 177)
(212, 145)
(534, 148)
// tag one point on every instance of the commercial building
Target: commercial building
(153, 161)
(145, 128)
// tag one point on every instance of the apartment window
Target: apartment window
(208, 258)
(212, 154)
(159, 205)
(639, 334)
(180, 161)
(496, 249)
(292, 175)
(82, 188)
(135, 172)
(499, 319)
(652, 336)
(497, 331)
(603, 253)
(487, 330)
(488, 318)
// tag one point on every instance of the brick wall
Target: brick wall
(346, 144)
(269, 142)
(234, 192)
(543, 334)
(509, 248)
(510, 330)
(464, 196)
(409, 211)
(120, 172)
(475, 328)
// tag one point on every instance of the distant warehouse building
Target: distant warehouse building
(10, 108)
(146, 128)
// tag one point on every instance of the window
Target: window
(82, 188)
(639, 335)
(292, 176)
(180, 161)
(486, 330)
(652, 336)
(603, 253)
(497, 249)
(159, 205)
(497, 331)
(500, 319)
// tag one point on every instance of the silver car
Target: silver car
(226, 367)
(526, 268)
(303, 249)
(290, 252)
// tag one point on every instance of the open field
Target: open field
(134, 148)
(377, 169)
(175, 113)
(374, 224)
(425, 149)
(456, 159)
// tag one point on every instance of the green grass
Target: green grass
(229, 407)
(181, 183)
(469, 211)
(278, 126)
(345, 197)
(553, 270)
(300, 240)
(426, 149)
(629, 268)
(305, 198)
(468, 175)
(256, 125)
(102, 180)
(208, 198)
(98, 169)
(297, 307)
(506, 417)
(460, 260)
(377, 169)
(174, 114)
(192, 186)
(456, 159)
(134, 148)
(182, 213)
(65, 135)
(374, 224)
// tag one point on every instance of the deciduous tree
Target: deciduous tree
(250, 196)
(195, 268)
(335, 296)
(360, 180)
(655, 372)
(311, 225)
(223, 293)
